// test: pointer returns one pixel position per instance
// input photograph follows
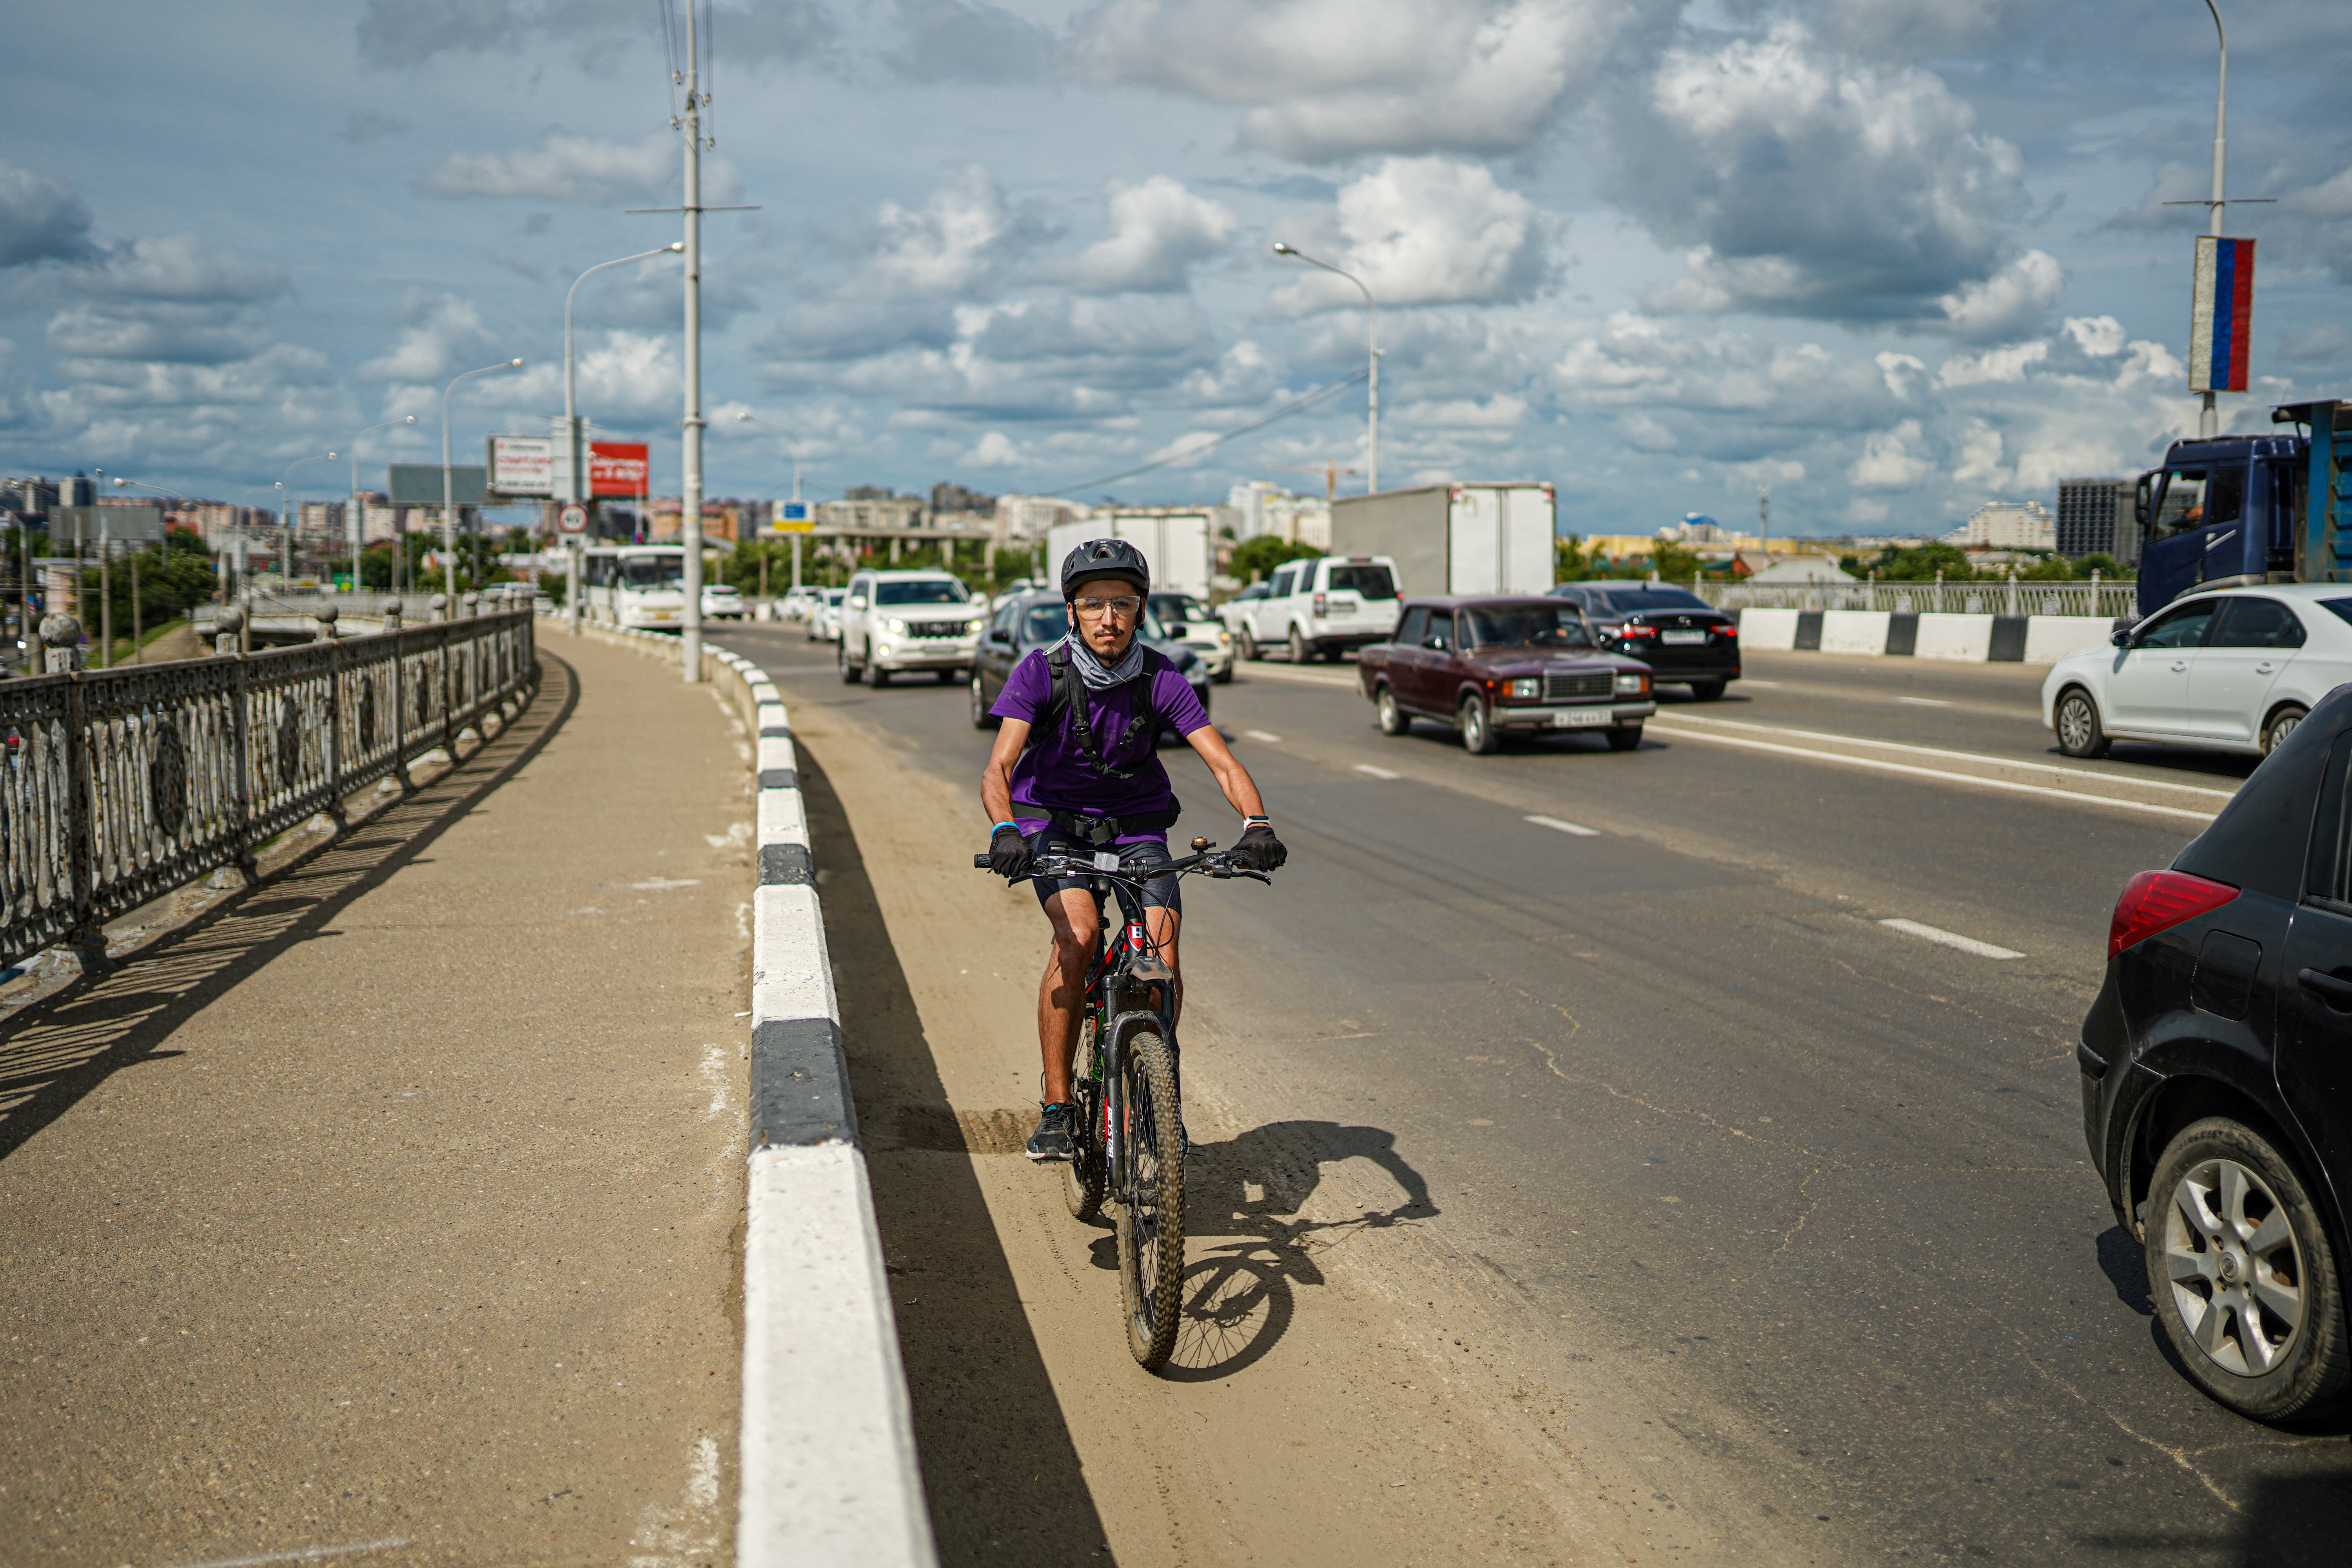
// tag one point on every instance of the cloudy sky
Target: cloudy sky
(1893, 256)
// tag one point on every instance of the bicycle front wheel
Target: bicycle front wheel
(1082, 1176)
(1151, 1200)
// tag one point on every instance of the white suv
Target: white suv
(895, 622)
(1318, 608)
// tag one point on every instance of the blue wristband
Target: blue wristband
(1014, 826)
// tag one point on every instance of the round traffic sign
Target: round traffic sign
(573, 518)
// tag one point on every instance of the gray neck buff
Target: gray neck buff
(1101, 677)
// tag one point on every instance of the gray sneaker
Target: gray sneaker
(1056, 1137)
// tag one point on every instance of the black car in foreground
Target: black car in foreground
(1022, 622)
(1685, 640)
(2217, 1081)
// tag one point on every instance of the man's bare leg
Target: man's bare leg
(1062, 994)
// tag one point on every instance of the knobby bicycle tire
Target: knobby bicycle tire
(1151, 1206)
(1083, 1177)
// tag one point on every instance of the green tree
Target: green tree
(1673, 563)
(1254, 558)
(1919, 563)
(1569, 561)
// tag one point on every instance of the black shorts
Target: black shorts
(1159, 893)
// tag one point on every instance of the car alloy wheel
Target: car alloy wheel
(1393, 719)
(876, 675)
(2244, 1278)
(1299, 650)
(1249, 646)
(1477, 730)
(2282, 724)
(849, 671)
(2080, 733)
(979, 719)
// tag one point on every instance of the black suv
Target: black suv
(2217, 1081)
(1683, 639)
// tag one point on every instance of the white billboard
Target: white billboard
(523, 464)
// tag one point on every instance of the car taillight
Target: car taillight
(1727, 631)
(1319, 606)
(2158, 900)
(1636, 629)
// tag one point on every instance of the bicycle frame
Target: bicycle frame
(1123, 976)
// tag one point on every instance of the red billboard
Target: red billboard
(616, 468)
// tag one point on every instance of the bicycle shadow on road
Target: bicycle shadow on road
(1253, 1245)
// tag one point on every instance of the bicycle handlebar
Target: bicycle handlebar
(1207, 862)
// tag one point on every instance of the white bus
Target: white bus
(633, 584)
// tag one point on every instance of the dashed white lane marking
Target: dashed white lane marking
(1556, 826)
(1262, 735)
(1751, 680)
(1925, 701)
(1952, 939)
(1377, 773)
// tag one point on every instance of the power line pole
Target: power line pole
(689, 530)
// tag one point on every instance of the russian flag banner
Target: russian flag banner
(2222, 314)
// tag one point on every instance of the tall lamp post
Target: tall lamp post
(744, 418)
(1373, 458)
(575, 463)
(353, 524)
(448, 502)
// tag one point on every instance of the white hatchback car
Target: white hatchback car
(2234, 670)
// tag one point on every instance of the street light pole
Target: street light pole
(1372, 457)
(353, 524)
(137, 652)
(689, 522)
(575, 462)
(448, 526)
(286, 516)
(2209, 418)
(770, 424)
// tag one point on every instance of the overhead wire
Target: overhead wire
(1300, 406)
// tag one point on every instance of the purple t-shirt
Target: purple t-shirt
(1054, 771)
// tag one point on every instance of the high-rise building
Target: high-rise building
(2096, 515)
(2007, 525)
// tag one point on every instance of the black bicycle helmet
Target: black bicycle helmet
(1106, 558)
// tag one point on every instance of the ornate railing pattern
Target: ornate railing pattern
(118, 785)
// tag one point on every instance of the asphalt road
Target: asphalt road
(1804, 1190)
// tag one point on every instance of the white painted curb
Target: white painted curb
(830, 1477)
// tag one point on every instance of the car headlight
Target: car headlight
(895, 623)
(1631, 685)
(973, 626)
(1225, 637)
(1528, 686)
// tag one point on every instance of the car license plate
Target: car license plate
(1681, 638)
(1580, 718)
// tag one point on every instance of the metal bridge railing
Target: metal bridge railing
(2117, 600)
(118, 785)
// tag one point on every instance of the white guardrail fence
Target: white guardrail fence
(829, 1476)
(2117, 600)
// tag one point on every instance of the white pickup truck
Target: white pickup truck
(1316, 608)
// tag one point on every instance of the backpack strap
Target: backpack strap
(1069, 696)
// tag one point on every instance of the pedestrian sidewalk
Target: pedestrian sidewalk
(390, 1211)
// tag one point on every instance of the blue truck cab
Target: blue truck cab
(2240, 509)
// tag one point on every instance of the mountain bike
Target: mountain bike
(1130, 1152)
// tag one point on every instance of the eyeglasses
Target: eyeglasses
(1126, 608)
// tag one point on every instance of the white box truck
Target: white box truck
(1474, 538)
(1179, 541)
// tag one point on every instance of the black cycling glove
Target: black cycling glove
(1008, 852)
(1258, 849)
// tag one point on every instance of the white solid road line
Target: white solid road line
(1377, 773)
(1751, 680)
(300, 1554)
(1956, 756)
(1952, 939)
(1262, 735)
(1280, 672)
(1925, 701)
(1942, 776)
(1555, 822)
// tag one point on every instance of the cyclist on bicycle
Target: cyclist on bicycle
(1076, 771)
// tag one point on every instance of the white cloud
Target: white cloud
(1888, 462)
(1812, 184)
(2009, 364)
(1336, 78)
(1979, 464)
(1159, 229)
(2012, 300)
(953, 245)
(577, 169)
(996, 451)
(1422, 231)
(2099, 336)
(440, 336)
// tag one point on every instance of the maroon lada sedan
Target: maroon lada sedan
(1500, 666)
